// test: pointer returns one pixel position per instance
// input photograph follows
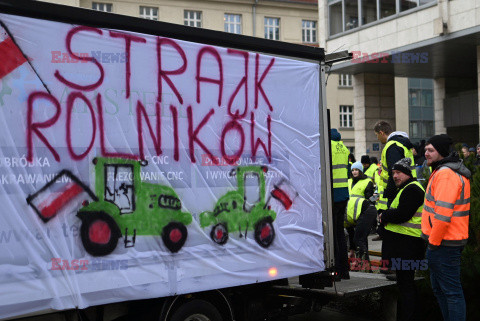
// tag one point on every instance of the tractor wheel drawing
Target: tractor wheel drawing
(174, 235)
(99, 233)
(264, 232)
(219, 233)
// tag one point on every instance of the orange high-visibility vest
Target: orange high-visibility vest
(446, 209)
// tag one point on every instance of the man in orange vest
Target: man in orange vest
(445, 224)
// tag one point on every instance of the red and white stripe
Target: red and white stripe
(11, 56)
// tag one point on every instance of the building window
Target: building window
(351, 14)
(369, 11)
(420, 109)
(309, 31)
(99, 6)
(150, 13)
(387, 8)
(408, 4)
(272, 28)
(192, 18)
(233, 23)
(335, 17)
(343, 15)
(345, 80)
(346, 116)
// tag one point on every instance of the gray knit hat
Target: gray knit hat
(403, 166)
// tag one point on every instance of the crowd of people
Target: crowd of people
(417, 198)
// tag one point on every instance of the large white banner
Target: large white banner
(135, 166)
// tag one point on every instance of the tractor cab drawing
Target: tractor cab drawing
(243, 209)
(125, 207)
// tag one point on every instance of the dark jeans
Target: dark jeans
(444, 265)
(358, 234)
(407, 304)
(339, 242)
(364, 225)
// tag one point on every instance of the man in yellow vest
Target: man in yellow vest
(397, 146)
(340, 199)
(402, 244)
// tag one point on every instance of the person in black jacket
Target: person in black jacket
(402, 244)
(384, 132)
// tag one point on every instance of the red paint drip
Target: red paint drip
(282, 197)
(52, 209)
(99, 232)
(10, 56)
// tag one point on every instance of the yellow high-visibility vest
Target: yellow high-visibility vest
(413, 226)
(339, 164)
(408, 154)
(357, 197)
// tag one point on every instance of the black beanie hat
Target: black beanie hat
(441, 143)
(403, 166)
(365, 159)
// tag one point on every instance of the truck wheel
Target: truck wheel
(197, 310)
(99, 233)
(174, 235)
(219, 233)
(264, 232)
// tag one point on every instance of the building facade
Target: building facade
(416, 65)
(293, 21)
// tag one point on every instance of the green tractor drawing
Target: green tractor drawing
(122, 206)
(243, 209)
(126, 204)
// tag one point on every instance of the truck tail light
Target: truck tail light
(273, 272)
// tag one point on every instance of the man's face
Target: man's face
(478, 151)
(431, 154)
(381, 136)
(399, 177)
(465, 152)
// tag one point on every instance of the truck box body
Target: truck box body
(137, 165)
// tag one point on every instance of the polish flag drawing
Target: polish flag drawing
(10, 55)
(64, 189)
(285, 193)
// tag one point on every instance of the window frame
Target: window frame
(106, 4)
(348, 112)
(268, 26)
(194, 19)
(229, 23)
(309, 31)
(149, 16)
(345, 81)
(378, 19)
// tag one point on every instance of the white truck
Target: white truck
(145, 160)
